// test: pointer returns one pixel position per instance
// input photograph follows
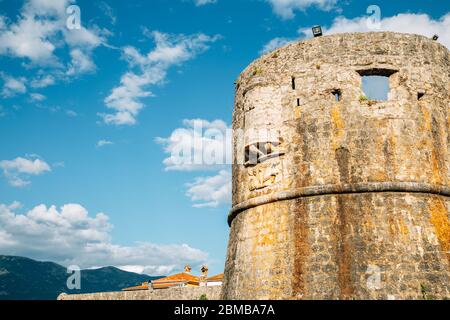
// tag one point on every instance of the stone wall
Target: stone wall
(212, 293)
(355, 202)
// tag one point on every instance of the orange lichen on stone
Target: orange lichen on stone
(298, 113)
(337, 119)
(427, 119)
(403, 229)
(448, 121)
(439, 219)
(437, 178)
(338, 126)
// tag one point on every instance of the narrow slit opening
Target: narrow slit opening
(337, 95)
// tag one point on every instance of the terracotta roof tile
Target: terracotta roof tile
(143, 286)
(177, 277)
(217, 277)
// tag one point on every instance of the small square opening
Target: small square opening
(376, 87)
(376, 83)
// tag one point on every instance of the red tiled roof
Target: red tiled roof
(143, 286)
(180, 277)
(217, 277)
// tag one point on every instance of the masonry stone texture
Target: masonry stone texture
(348, 198)
(187, 293)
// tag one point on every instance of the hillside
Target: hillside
(27, 279)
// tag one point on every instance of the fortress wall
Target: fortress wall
(212, 293)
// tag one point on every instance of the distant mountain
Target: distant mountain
(27, 279)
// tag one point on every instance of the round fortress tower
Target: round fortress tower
(343, 197)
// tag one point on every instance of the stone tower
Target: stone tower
(345, 198)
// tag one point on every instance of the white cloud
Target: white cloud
(210, 192)
(28, 38)
(199, 3)
(274, 44)
(286, 8)
(13, 86)
(151, 270)
(404, 23)
(18, 170)
(103, 143)
(169, 51)
(71, 113)
(81, 63)
(39, 32)
(43, 81)
(202, 145)
(70, 236)
(199, 145)
(37, 97)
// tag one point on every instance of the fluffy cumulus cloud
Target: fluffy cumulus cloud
(198, 145)
(39, 31)
(286, 8)
(210, 192)
(37, 97)
(275, 43)
(43, 81)
(18, 171)
(202, 145)
(70, 236)
(150, 69)
(12, 86)
(200, 3)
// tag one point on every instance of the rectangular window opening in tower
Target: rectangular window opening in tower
(376, 83)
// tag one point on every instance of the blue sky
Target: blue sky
(88, 118)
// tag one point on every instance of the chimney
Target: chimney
(204, 270)
(204, 276)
